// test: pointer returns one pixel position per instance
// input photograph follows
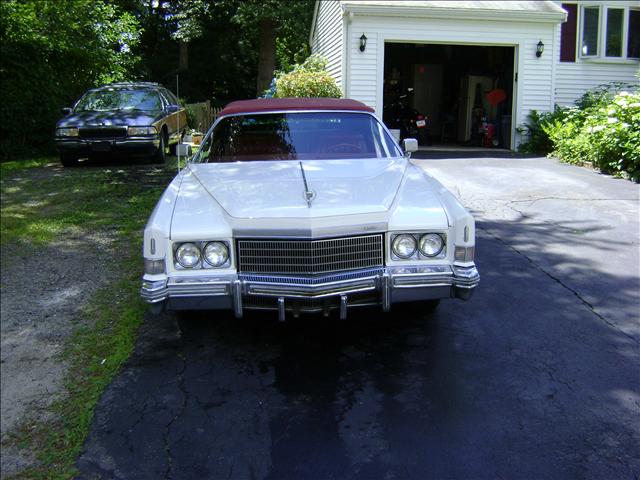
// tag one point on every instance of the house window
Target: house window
(633, 40)
(605, 33)
(590, 24)
(613, 37)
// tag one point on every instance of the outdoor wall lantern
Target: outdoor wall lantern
(539, 49)
(363, 42)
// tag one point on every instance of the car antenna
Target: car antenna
(178, 121)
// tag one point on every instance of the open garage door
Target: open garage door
(464, 92)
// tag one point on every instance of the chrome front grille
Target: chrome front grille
(310, 257)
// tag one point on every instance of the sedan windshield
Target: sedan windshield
(297, 136)
(109, 100)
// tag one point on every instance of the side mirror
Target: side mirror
(173, 108)
(66, 110)
(410, 145)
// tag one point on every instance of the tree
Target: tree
(279, 22)
(51, 52)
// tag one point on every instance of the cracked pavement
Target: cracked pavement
(537, 376)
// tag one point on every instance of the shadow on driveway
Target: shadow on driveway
(523, 381)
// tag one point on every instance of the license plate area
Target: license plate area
(101, 146)
(421, 123)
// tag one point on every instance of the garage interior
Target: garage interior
(465, 91)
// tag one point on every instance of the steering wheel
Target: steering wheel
(345, 148)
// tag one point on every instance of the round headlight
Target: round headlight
(431, 244)
(216, 254)
(404, 245)
(188, 255)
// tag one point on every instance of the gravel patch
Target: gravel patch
(42, 301)
(43, 297)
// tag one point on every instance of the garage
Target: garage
(449, 94)
(476, 70)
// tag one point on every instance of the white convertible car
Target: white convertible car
(305, 205)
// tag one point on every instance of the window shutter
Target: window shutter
(568, 33)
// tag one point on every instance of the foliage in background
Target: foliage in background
(309, 79)
(605, 135)
(601, 130)
(537, 139)
(282, 29)
(51, 52)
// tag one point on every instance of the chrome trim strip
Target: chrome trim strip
(237, 298)
(314, 234)
(386, 292)
(289, 293)
(458, 281)
(281, 312)
(343, 307)
(318, 281)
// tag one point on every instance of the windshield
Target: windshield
(296, 136)
(108, 100)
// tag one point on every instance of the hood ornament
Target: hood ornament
(309, 195)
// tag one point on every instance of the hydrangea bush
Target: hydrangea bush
(601, 130)
(309, 79)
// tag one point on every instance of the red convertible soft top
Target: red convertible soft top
(275, 104)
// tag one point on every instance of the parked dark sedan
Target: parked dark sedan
(138, 118)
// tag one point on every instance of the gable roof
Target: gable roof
(533, 6)
(279, 104)
(523, 10)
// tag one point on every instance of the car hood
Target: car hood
(267, 198)
(276, 189)
(122, 117)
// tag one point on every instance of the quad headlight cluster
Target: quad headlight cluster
(415, 245)
(192, 255)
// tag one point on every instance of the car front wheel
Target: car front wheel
(159, 157)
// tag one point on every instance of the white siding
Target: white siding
(574, 78)
(534, 87)
(327, 39)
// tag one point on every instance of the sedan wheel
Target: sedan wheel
(159, 157)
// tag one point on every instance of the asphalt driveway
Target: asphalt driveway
(538, 376)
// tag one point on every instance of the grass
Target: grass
(43, 206)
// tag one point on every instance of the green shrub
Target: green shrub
(309, 79)
(537, 139)
(602, 130)
(614, 135)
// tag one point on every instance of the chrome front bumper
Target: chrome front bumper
(381, 286)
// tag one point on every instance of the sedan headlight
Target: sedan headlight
(188, 255)
(135, 131)
(404, 246)
(431, 244)
(216, 254)
(67, 132)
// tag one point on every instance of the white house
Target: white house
(527, 54)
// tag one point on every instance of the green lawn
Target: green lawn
(43, 203)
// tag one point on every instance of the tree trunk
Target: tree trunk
(183, 63)
(267, 55)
